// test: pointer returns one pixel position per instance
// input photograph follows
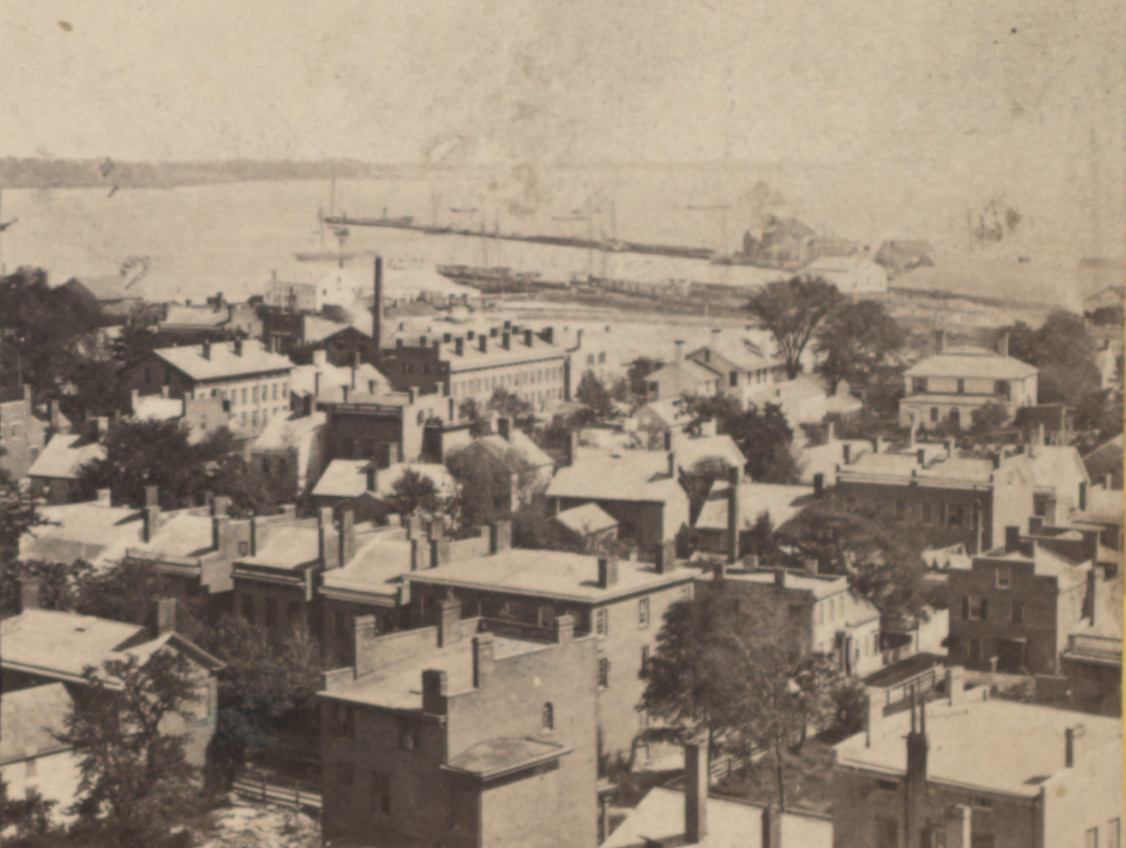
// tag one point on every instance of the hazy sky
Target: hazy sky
(1027, 95)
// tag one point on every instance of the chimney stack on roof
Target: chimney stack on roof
(939, 341)
(733, 515)
(483, 343)
(607, 572)
(672, 465)
(449, 621)
(529, 338)
(696, 780)
(679, 348)
(29, 593)
(1073, 745)
(818, 485)
(771, 826)
(459, 346)
(205, 349)
(238, 347)
(504, 425)
(1003, 345)
(371, 472)
(506, 340)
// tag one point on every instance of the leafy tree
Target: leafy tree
(855, 340)
(134, 343)
(59, 585)
(760, 541)
(637, 373)
(793, 311)
(30, 816)
(732, 673)
(987, 418)
(595, 396)
(467, 409)
(1100, 412)
(620, 391)
(134, 776)
(414, 492)
(763, 435)
(487, 484)
(1064, 352)
(504, 402)
(18, 514)
(267, 681)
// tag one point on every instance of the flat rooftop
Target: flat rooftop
(1014, 747)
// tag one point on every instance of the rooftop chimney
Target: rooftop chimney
(915, 780)
(921, 455)
(733, 515)
(1073, 745)
(29, 593)
(372, 474)
(1082, 496)
(484, 343)
(771, 826)
(679, 355)
(1003, 345)
(846, 452)
(449, 621)
(529, 338)
(166, 615)
(238, 347)
(205, 349)
(459, 346)
(939, 341)
(818, 485)
(500, 537)
(780, 578)
(666, 558)
(830, 433)
(672, 465)
(1012, 540)
(607, 572)
(696, 779)
(506, 341)
(483, 646)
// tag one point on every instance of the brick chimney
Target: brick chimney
(506, 340)
(237, 346)
(529, 338)
(459, 346)
(819, 485)
(500, 537)
(434, 688)
(347, 547)
(504, 426)
(483, 646)
(696, 779)
(915, 780)
(1003, 345)
(607, 572)
(167, 610)
(29, 593)
(150, 514)
(449, 621)
(846, 452)
(1073, 750)
(780, 578)
(371, 474)
(1082, 503)
(205, 349)
(733, 515)
(666, 558)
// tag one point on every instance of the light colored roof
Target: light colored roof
(632, 475)
(821, 585)
(541, 573)
(1103, 506)
(90, 531)
(906, 464)
(503, 755)
(315, 328)
(186, 533)
(287, 547)
(671, 411)
(745, 357)
(824, 459)
(690, 368)
(376, 568)
(61, 643)
(64, 456)
(31, 718)
(347, 478)
(157, 408)
(223, 362)
(944, 559)
(108, 287)
(399, 686)
(1056, 464)
(972, 365)
(782, 502)
(658, 821)
(517, 443)
(1015, 748)
(692, 449)
(289, 431)
(472, 357)
(586, 519)
(303, 380)
(193, 316)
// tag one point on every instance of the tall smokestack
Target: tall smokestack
(377, 314)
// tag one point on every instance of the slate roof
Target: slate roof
(31, 718)
(223, 362)
(1015, 748)
(64, 456)
(658, 822)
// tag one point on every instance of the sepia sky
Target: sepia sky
(1028, 94)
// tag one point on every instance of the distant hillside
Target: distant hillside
(85, 173)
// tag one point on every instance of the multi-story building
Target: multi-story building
(447, 735)
(388, 428)
(22, 435)
(641, 489)
(978, 772)
(32, 759)
(291, 450)
(712, 370)
(55, 475)
(950, 386)
(337, 288)
(1013, 608)
(520, 361)
(819, 612)
(49, 646)
(253, 380)
(621, 602)
(972, 499)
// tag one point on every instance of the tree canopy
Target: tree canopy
(763, 435)
(855, 341)
(792, 311)
(1064, 352)
(594, 394)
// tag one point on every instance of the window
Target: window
(961, 387)
(1001, 389)
(975, 609)
(243, 548)
(547, 616)
(602, 358)
(934, 414)
(955, 515)
(602, 623)
(244, 394)
(1114, 833)
(381, 792)
(919, 385)
(1004, 578)
(275, 391)
(644, 661)
(733, 379)
(686, 593)
(509, 609)
(547, 718)
(603, 674)
(1091, 840)
(643, 612)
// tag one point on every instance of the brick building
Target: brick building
(820, 612)
(1016, 604)
(386, 427)
(974, 499)
(950, 386)
(975, 772)
(621, 602)
(254, 380)
(54, 476)
(447, 735)
(22, 435)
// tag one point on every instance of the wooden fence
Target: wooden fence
(294, 796)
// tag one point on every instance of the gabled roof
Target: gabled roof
(32, 719)
(671, 411)
(972, 365)
(329, 387)
(223, 362)
(62, 644)
(185, 533)
(110, 287)
(724, 358)
(347, 478)
(200, 317)
(90, 531)
(781, 502)
(517, 445)
(64, 456)
(691, 369)
(632, 475)
(691, 450)
(586, 519)
(658, 822)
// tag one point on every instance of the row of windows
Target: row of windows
(267, 611)
(977, 609)
(253, 394)
(601, 359)
(930, 512)
(1001, 388)
(476, 385)
(830, 610)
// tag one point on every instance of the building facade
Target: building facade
(22, 435)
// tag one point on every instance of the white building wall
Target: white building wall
(54, 776)
(254, 401)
